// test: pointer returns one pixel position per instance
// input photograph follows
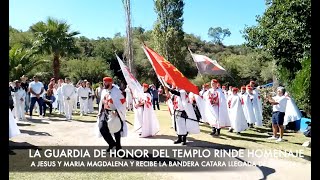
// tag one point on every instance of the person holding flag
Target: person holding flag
(185, 119)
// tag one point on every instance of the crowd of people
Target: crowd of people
(63, 97)
(234, 108)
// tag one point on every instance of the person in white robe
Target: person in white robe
(258, 102)
(255, 106)
(220, 108)
(75, 99)
(184, 116)
(111, 120)
(147, 120)
(247, 106)
(90, 98)
(19, 101)
(229, 92)
(292, 112)
(237, 118)
(129, 99)
(68, 94)
(83, 93)
(169, 102)
(60, 97)
(225, 92)
(13, 127)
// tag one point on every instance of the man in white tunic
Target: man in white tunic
(247, 106)
(184, 116)
(19, 101)
(255, 106)
(149, 123)
(258, 102)
(90, 97)
(60, 96)
(68, 97)
(112, 114)
(220, 108)
(236, 115)
(83, 93)
(129, 99)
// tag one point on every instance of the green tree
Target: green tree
(92, 69)
(168, 34)
(284, 30)
(218, 34)
(53, 37)
(22, 61)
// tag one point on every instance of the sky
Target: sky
(105, 18)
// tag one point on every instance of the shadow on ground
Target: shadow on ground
(266, 171)
(34, 133)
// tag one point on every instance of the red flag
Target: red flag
(168, 72)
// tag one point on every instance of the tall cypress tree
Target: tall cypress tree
(168, 34)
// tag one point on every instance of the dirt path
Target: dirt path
(42, 132)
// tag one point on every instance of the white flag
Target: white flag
(134, 85)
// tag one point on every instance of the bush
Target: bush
(266, 107)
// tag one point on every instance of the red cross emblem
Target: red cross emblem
(242, 102)
(148, 102)
(107, 101)
(175, 103)
(229, 103)
(187, 98)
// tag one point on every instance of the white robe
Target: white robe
(184, 126)
(256, 110)
(129, 99)
(236, 115)
(170, 107)
(210, 115)
(150, 123)
(138, 118)
(116, 95)
(221, 110)
(13, 127)
(248, 109)
(292, 112)
(55, 103)
(19, 105)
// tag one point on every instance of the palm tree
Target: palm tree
(53, 37)
(22, 61)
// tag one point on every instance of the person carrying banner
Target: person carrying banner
(184, 116)
(112, 115)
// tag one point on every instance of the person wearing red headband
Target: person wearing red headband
(146, 122)
(236, 114)
(185, 119)
(112, 114)
(220, 108)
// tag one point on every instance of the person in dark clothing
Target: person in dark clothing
(47, 102)
(11, 89)
(155, 97)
